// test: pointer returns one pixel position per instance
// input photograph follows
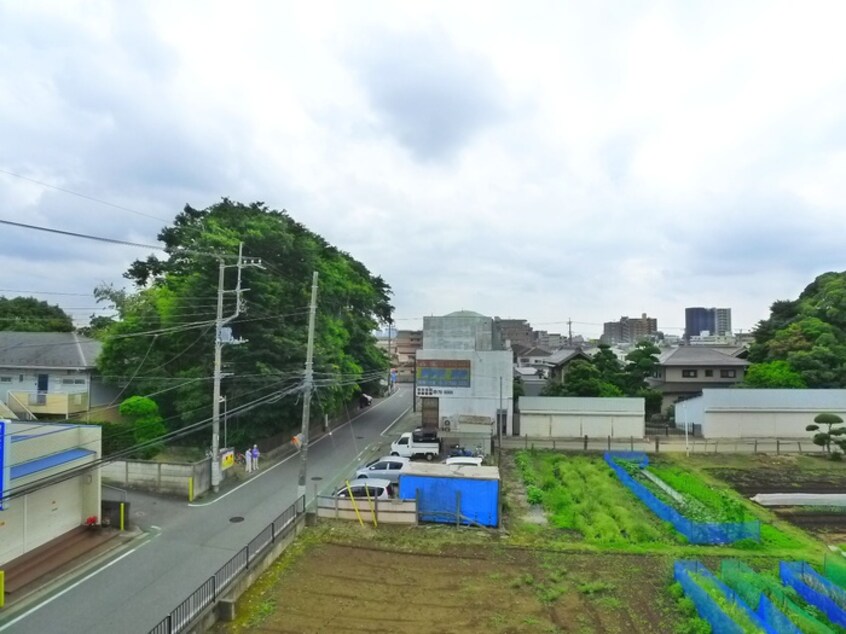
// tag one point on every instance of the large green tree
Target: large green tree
(583, 379)
(27, 314)
(162, 341)
(808, 333)
(773, 374)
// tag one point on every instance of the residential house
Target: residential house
(49, 375)
(535, 358)
(685, 371)
(559, 362)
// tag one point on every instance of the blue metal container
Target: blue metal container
(452, 494)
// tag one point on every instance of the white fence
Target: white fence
(385, 511)
(660, 444)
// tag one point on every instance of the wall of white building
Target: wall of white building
(569, 417)
(32, 520)
(488, 371)
(758, 413)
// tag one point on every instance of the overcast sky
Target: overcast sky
(542, 160)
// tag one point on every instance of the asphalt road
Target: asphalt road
(189, 543)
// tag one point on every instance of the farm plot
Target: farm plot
(351, 585)
(583, 496)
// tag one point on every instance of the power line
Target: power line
(83, 235)
(85, 196)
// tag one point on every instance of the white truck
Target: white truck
(411, 444)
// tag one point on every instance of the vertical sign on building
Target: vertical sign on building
(4, 462)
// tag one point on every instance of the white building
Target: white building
(33, 453)
(576, 416)
(464, 383)
(739, 413)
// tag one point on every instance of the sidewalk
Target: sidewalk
(42, 570)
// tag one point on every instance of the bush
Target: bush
(534, 494)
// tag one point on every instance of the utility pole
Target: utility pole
(499, 426)
(390, 357)
(308, 384)
(220, 322)
(569, 331)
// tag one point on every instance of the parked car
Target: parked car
(475, 461)
(387, 468)
(374, 488)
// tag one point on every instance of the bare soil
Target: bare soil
(359, 588)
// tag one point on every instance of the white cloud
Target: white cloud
(546, 161)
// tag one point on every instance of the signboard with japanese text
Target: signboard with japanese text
(443, 373)
(227, 459)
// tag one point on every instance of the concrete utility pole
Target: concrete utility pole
(390, 358)
(220, 322)
(499, 425)
(308, 385)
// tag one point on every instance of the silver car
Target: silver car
(370, 488)
(387, 467)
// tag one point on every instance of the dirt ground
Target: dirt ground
(349, 588)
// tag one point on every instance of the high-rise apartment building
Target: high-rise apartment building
(629, 330)
(714, 321)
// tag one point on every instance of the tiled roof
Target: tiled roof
(695, 356)
(42, 350)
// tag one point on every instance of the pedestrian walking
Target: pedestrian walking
(248, 460)
(255, 455)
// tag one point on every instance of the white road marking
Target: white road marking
(71, 587)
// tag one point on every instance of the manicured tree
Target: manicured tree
(148, 425)
(832, 435)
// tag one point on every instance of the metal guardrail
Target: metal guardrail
(207, 594)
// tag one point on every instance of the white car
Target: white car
(387, 467)
(374, 488)
(474, 461)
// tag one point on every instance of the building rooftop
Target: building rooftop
(43, 350)
(695, 355)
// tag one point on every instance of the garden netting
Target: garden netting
(773, 605)
(695, 532)
(815, 589)
(709, 607)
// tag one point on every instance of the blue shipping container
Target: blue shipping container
(442, 490)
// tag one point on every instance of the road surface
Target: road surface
(189, 543)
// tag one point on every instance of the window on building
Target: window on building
(689, 374)
(728, 374)
(67, 381)
(709, 373)
(5, 379)
(79, 381)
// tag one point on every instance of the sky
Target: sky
(542, 160)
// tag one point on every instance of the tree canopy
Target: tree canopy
(28, 314)
(807, 334)
(161, 343)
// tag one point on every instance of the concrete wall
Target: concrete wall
(759, 413)
(38, 517)
(159, 477)
(569, 417)
(482, 398)
(458, 332)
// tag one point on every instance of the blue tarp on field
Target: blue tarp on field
(695, 532)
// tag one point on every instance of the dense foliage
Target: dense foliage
(27, 314)
(162, 341)
(808, 334)
(605, 375)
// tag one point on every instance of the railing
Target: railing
(40, 402)
(207, 594)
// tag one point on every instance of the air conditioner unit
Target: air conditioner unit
(446, 424)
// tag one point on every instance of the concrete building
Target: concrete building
(549, 340)
(685, 371)
(571, 417)
(407, 345)
(699, 321)
(463, 380)
(629, 330)
(461, 330)
(39, 452)
(757, 413)
(517, 331)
